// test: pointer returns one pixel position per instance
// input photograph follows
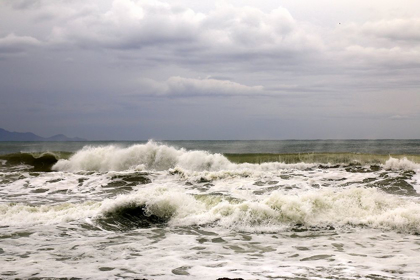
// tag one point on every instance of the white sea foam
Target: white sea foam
(355, 206)
(400, 164)
(366, 238)
(22, 214)
(231, 201)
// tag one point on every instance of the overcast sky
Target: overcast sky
(134, 70)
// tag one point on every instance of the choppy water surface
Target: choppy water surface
(158, 211)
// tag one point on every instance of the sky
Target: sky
(211, 70)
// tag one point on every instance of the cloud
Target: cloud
(396, 56)
(55, 12)
(83, 58)
(395, 30)
(401, 117)
(24, 4)
(180, 86)
(17, 44)
(382, 45)
(130, 25)
(226, 30)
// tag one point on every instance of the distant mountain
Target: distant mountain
(29, 136)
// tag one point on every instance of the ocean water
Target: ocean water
(291, 209)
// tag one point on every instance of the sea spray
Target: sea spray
(400, 164)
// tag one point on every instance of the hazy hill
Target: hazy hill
(29, 136)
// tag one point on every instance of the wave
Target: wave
(130, 217)
(400, 164)
(149, 156)
(36, 161)
(158, 157)
(324, 209)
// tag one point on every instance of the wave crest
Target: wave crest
(159, 157)
(360, 207)
(149, 156)
(323, 209)
(400, 164)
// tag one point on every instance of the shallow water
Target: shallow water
(154, 211)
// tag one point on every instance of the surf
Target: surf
(158, 157)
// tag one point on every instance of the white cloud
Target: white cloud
(16, 44)
(180, 86)
(130, 25)
(227, 29)
(375, 44)
(400, 117)
(395, 56)
(160, 39)
(396, 29)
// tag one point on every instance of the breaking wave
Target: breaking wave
(355, 207)
(158, 157)
(322, 209)
(401, 164)
(150, 156)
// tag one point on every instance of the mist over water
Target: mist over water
(210, 209)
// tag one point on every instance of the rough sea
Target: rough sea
(318, 209)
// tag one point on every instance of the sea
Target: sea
(292, 209)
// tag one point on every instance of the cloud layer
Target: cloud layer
(125, 60)
(138, 24)
(158, 30)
